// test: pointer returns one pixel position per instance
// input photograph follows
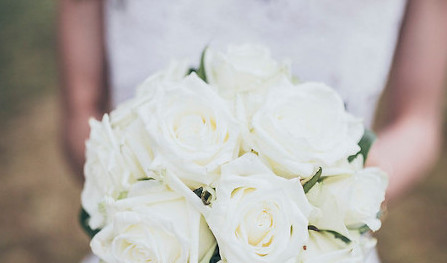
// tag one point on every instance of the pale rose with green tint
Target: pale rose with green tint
(258, 216)
(244, 68)
(153, 224)
(302, 127)
(192, 130)
(350, 200)
(117, 154)
(323, 248)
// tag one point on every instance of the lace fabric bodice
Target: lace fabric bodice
(348, 44)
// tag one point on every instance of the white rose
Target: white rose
(368, 192)
(117, 154)
(243, 68)
(192, 129)
(153, 224)
(175, 72)
(243, 75)
(302, 127)
(323, 247)
(350, 201)
(258, 216)
(362, 194)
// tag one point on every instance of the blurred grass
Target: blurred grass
(39, 201)
(27, 59)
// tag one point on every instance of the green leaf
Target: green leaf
(338, 236)
(365, 144)
(332, 232)
(309, 184)
(83, 220)
(191, 70)
(323, 178)
(208, 255)
(198, 191)
(313, 228)
(364, 229)
(145, 179)
(204, 195)
(382, 212)
(216, 256)
(201, 70)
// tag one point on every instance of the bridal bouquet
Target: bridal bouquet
(235, 161)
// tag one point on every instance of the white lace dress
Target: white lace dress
(348, 44)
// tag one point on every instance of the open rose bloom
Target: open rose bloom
(235, 161)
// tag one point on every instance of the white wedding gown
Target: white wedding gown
(348, 44)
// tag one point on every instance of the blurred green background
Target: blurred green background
(39, 200)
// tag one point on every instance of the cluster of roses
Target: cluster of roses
(235, 161)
